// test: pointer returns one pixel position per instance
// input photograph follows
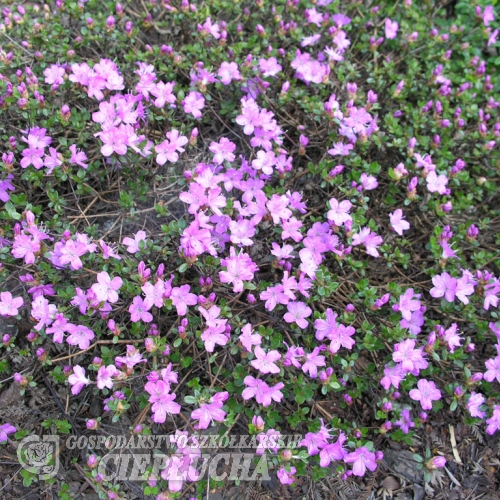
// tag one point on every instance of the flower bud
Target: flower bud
(92, 424)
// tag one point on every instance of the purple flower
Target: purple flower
(405, 422)
(5, 430)
(474, 403)
(361, 459)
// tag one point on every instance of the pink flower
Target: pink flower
(181, 298)
(436, 183)
(405, 422)
(278, 208)
(286, 477)
(391, 29)
(248, 339)
(406, 354)
(473, 404)
(263, 394)
(228, 72)
(313, 361)
(162, 401)
(494, 421)
(264, 362)
(132, 358)
(426, 393)
(436, 463)
(104, 376)
(369, 239)
(78, 380)
(361, 459)
(139, 311)
(369, 182)
(452, 338)
(78, 157)
(106, 288)
(8, 305)
(393, 376)
(42, 311)
(154, 294)
(54, 74)
(223, 150)
(408, 303)
(163, 93)
(239, 268)
(493, 366)
(207, 413)
(489, 15)
(269, 67)
(332, 451)
(398, 223)
(193, 103)
(5, 430)
(5, 187)
(80, 336)
(241, 232)
(133, 244)
(339, 212)
(340, 149)
(170, 148)
(114, 141)
(297, 312)
(444, 285)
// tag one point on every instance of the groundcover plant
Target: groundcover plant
(249, 218)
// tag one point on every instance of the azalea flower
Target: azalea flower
(248, 339)
(239, 268)
(106, 289)
(436, 183)
(361, 459)
(193, 103)
(391, 29)
(5, 430)
(494, 421)
(181, 298)
(104, 376)
(297, 312)
(286, 477)
(313, 361)
(339, 211)
(426, 393)
(265, 362)
(133, 244)
(209, 412)
(493, 366)
(398, 223)
(9, 305)
(473, 404)
(405, 423)
(81, 336)
(78, 380)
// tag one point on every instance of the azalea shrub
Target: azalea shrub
(262, 218)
